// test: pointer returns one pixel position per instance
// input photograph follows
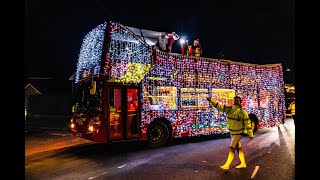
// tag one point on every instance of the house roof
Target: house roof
(31, 86)
(71, 78)
(54, 86)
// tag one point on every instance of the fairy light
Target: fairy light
(90, 52)
(244, 78)
(176, 86)
(129, 56)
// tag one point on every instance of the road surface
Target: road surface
(57, 155)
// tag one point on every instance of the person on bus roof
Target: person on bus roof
(166, 40)
(195, 48)
(238, 123)
(172, 37)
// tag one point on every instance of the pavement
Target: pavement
(47, 132)
(43, 140)
(54, 122)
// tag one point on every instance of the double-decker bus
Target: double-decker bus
(125, 89)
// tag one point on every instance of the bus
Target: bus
(125, 89)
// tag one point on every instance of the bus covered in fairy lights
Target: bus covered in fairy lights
(126, 89)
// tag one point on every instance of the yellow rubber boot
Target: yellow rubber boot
(226, 165)
(243, 163)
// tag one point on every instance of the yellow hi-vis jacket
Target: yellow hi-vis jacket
(292, 108)
(238, 121)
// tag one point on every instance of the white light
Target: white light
(182, 41)
(72, 126)
(91, 50)
(90, 128)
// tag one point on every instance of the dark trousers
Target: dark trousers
(293, 117)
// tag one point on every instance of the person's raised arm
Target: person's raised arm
(219, 106)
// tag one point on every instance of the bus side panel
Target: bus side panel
(144, 132)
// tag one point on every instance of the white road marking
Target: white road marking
(98, 175)
(58, 134)
(121, 166)
(255, 172)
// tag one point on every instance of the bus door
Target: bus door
(132, 124)
(123, 113)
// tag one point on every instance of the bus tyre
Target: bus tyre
(158, 134)
(254, 122)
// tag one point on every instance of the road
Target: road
(60, 156)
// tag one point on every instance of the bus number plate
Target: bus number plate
(79, 121)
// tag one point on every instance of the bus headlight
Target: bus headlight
(90, 128)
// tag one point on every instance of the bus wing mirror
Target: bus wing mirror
(93, 87)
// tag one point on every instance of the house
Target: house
(48, 102)
(29, 90)
(72, 79)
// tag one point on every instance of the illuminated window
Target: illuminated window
(160, 98)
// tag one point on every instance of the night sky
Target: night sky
(255, 31)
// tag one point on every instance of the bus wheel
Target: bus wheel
(254, 122)
(158, 134)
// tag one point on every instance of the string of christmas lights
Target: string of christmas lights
(191, 109)
(175, 87)
(90, 53)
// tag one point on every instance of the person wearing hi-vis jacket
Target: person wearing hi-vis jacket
(292, 108)
(238, 123)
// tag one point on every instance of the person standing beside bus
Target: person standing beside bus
(292, 108)
(238, 123)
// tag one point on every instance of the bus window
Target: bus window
(115, 113)
(86, 102)
(194, 98)
(264, 99)
(160, 98)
